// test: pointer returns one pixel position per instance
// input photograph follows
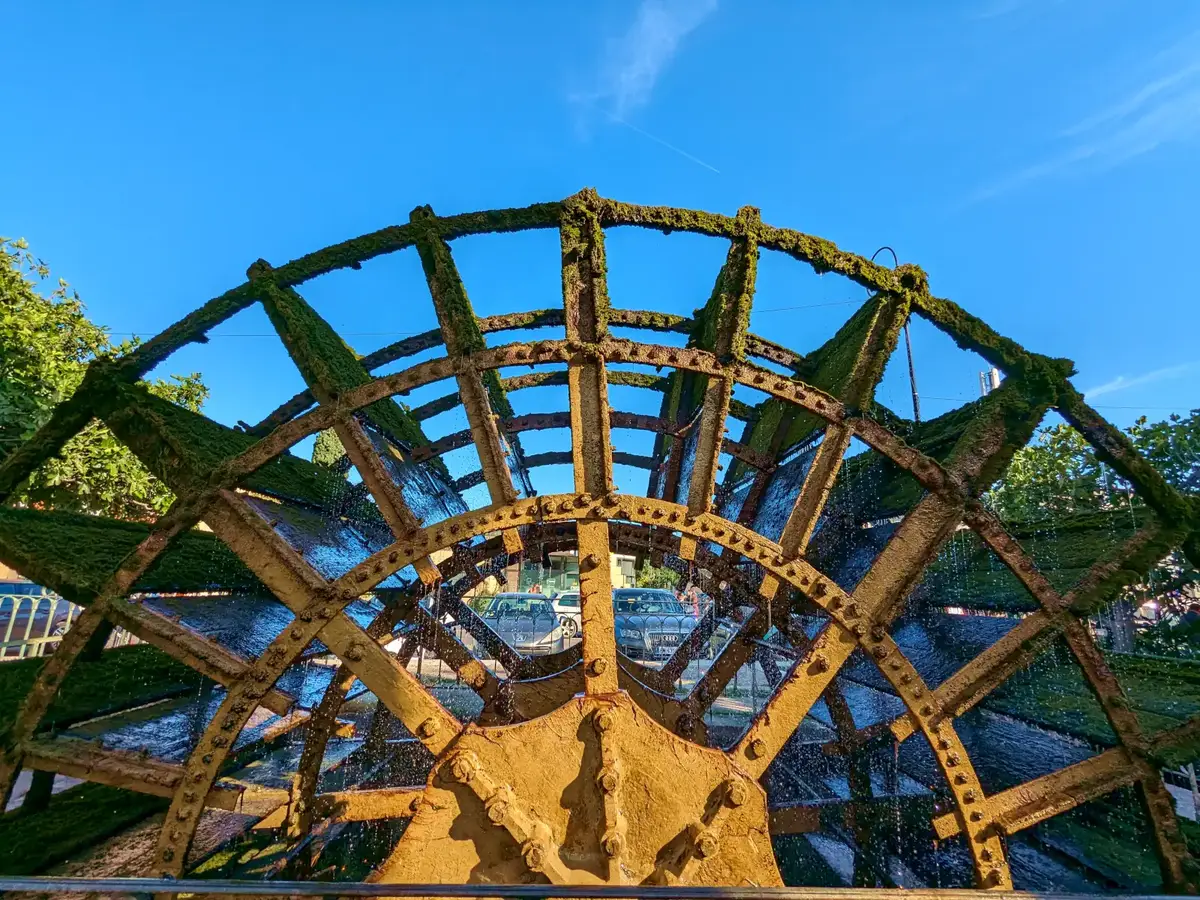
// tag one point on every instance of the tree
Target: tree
(649, 576)
(1058, 475)
(46, 342)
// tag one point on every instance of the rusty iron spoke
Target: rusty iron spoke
(304, 592)
(478, 389)
(730, 308)
(182, 516)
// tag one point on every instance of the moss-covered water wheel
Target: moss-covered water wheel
(585, 766)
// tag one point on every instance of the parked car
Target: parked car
(650, 622)
(566, 607)
(526, 622)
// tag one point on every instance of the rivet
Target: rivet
(757, 749)
(604, 721)
(428, 728)
(598, 667)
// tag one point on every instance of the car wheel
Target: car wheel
(570, 628)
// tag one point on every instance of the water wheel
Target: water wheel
(584, 766)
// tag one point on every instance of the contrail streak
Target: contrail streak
(659, 140)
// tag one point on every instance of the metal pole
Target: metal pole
(912, 375)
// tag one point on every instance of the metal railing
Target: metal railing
(33, 623)
(149, 887)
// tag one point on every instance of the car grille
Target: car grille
(670, 639)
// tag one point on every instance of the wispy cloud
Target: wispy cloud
(1121, 382)
(633, 63)
(1164, 109)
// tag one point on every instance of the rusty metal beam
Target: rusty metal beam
(299, 588)
(460, 330)
(194, 650)
(182, 516)
(1035, 801)
(585, 310)
(539, 421)
(869, 362)
(730, 310)
(118, 768)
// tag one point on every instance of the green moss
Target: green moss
(652, 321)
(974, 335)
(122, 678)
(1114, 448)
(75, 820)
(584, 265)
(1112, 836)
(459, 325)
(537, 318)
(75, 555)
(329, 366)
(184, 448)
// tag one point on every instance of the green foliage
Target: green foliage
(329, 452)
(46, 342)
(1058, 475)
(656, 577)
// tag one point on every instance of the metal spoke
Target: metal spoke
(730, 311)
(299, 588)
(460, 331)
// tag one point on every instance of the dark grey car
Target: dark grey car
(651, 622)
(526, 622)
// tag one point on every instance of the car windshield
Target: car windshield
(503, 607)
(649, 601)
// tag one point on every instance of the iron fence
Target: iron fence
(33, 621)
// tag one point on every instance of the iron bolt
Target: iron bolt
(604, 721)
(354, 653)
(415, 806)
(535, 855)
(609, 781)
(496, 811)
(427, 729)
(706, 845)
(757, 748)
(599, 666)
(613, 844)
(462, 768)
(736, 793)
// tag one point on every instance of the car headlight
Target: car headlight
(633, 633)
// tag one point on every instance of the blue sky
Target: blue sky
(1036, 157)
